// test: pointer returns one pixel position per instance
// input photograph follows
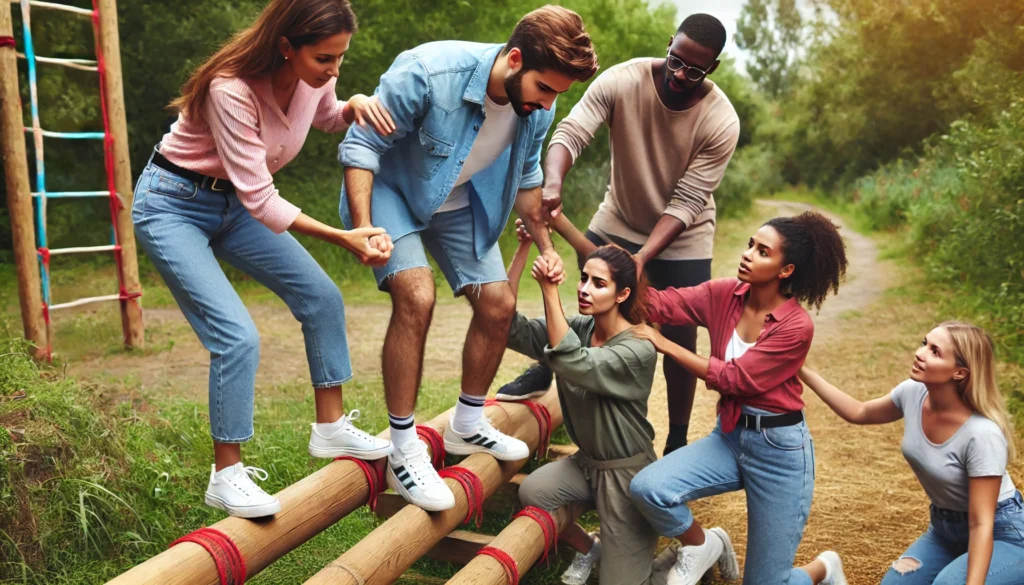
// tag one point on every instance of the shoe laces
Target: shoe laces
(417, 462)
(244, 483)
(687, 560)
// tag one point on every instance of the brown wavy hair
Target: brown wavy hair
(623, 271)
(254, 51)
(552, 38)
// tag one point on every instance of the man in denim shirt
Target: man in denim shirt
(470, 122)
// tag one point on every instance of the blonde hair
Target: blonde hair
(972, 348)
(255, 51)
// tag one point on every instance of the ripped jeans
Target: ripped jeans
(941, 552)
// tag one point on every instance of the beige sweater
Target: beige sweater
(663, 161)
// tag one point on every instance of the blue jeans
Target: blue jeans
(184, 229)
(775, 467)
(449, 238)
(942, 550)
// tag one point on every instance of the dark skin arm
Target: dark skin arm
(665, 232)
(556, 166)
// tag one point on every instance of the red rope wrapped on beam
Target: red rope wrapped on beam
(505, 560)
(374, 478)
(547, 525)
(6, 41)
(474, 489)
(543, 416)
(225, 553)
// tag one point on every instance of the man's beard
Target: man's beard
(514, 90)
(674, 95)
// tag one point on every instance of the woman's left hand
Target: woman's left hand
(370, 109)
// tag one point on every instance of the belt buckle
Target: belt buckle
(213, 186)
(757, 423)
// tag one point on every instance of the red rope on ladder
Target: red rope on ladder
(6, 41)
(505, 560)
(474, 489)
(225, 553)
(547, 525)
(374, 477)
(543, 416)
(108, 159)
(433, 440)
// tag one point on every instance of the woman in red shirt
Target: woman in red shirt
(760, 335)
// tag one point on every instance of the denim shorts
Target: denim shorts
(449, 239)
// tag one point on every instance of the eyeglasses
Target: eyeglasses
(692, 73)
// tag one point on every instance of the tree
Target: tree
(771, 31)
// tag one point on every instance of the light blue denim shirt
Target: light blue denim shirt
(435, 94)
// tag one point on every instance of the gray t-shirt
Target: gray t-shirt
(976, 449)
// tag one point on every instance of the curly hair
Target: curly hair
(812, 244)
(623, 271)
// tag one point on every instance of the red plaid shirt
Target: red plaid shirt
(766, 375)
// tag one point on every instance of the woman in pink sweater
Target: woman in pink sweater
(208, 194)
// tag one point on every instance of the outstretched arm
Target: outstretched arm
(873, 412)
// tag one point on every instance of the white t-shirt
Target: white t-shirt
(496, 134)
(736, 348)
(976, 449)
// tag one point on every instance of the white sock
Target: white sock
(468, 411)
(226, 472)
(328, 429)
(403, 430)
(828, 570)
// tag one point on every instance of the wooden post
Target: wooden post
(19, 194)
(109, 42)
(308, 507)
(384, 554)
(522, 539)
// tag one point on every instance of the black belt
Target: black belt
(756, 422)
(204, 182)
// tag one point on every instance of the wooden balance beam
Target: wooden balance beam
(387, 552)
(308, 507)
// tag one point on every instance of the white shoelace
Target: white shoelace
(244, 482)
(417, 462)
(687, 561)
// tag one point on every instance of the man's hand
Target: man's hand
(551, 202)
(370, 245)
(638, 258)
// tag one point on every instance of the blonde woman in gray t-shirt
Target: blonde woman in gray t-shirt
(958, 439)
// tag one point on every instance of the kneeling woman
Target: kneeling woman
(759, 338)
(604, 379)
(958, 438)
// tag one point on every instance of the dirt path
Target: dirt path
(867, 504)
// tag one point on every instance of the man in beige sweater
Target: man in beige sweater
(672, 133)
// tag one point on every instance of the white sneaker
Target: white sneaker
(728, 566)
(343, 439)
(692, 562)
(232, 490)
(583, 564)
(834, 574)
(485, 439)
(412, 476)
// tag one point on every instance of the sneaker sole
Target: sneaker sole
(469, 449)
(428, 505)
(513, 398)
(245, 511)
(322, 453)
(729, 568)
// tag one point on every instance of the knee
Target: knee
(244, 341)
(533, 493)
(642, 488)
(495, 305)
(902, 571)
(413, 300)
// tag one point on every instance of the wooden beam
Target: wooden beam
(382, 556)
(19, 195)
(113, 85)
(459, 547)
(559, 452)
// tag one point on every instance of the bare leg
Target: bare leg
(412, 308)
(575, 536)
(694, 535)
(226, 454)
(329, 406)
(816, 569)
(493, 309)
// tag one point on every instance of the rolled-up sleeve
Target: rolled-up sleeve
(234, 124)
(405, 91)
(680, 306)
(533, 174)
(528, 337)
(702, 177)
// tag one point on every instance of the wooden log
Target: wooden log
(504, 499)
(384, 554)
(113, 85)
(559, 452)
(522, 539)
(459, 547)
(19, 193)
(308, 507)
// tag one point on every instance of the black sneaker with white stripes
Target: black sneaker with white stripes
(412, 476)
(485, 439)
(534, 382)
